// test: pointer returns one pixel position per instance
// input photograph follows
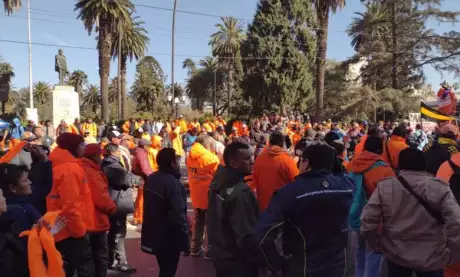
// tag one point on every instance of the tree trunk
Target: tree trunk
(3, 107)
(322, 11)
(123, 88)
(230, 86)
(105, 45)
(394, 71)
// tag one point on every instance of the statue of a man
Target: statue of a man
(60, 66)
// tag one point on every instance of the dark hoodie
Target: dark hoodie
(13, 253)
(232, 214)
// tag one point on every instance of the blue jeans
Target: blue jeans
(368, 263)
(395, 270)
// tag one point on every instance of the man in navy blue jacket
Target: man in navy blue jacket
(311, 212)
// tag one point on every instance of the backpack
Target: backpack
(454, 181)
(359, 197)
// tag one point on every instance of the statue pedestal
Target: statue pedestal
(64, 104)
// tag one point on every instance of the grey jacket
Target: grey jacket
(405, 231)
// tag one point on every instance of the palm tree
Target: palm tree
(226, 44)
(190, 65)
(42, 92)
(92, 98)
(208, 62)
(78, 79)
(6, 74)
(372, 25)
(134, 43)
(323, 7)
(106, 17)
(113, 89)
(11, 6)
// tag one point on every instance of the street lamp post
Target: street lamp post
(172, 51)
(176, 103)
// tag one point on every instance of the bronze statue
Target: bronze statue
(60, 66)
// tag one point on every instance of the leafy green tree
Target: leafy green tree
(323, 8)
(134, 43)
(280, 34)
(11, 6)
(226, 44)
(105, 17)
(148, 88)
(113, 90)
(78, 79)
(92, 98)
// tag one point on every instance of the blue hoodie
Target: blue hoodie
(17, 130)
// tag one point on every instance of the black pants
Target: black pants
(77, 256)
(395, 270)
(100, 253)
(116, 240)
(168, 263)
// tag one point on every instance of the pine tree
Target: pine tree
(278, 55)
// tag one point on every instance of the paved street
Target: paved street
(147, 265)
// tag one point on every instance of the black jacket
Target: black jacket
(13, 253)
(121, 182)
(312, 215)
(231, 216)
(164, 226)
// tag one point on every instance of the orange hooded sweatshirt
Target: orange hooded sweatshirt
(273, 169)
(396, 144)
(70, 194)
(201, 165)
(363, 162)
(99, 187)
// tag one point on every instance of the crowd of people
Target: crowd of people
(277, 195)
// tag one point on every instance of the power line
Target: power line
(152, 54)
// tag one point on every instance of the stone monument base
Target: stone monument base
(64, 104)
(32, 114)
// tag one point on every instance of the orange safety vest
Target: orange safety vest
(39, 241)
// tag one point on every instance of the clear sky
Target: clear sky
(54, 22)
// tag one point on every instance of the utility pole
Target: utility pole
(31, 89)
(172, 56)
(119, 91)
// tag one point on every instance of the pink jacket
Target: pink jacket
(406, 232)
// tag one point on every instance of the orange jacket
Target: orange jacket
(90, 127)
(70, 194)
(396, 144)
(273, 169)
(201, 165)
(126, 126)
(448, 104)
(360, 146)
(445, 171)
(176, 140)
(75, 130)
(220, 122)
(193, 124)
(209, 126)
(182, 124)
(39, 241)
(103, 204)
(363, 162)
(153, 152)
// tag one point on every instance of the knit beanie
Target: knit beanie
(93, 149)
(70, 142)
